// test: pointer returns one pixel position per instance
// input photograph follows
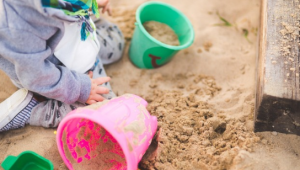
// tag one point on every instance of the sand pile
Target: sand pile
(192, 135)
(105, 152)
(161, 32)
(125, 19)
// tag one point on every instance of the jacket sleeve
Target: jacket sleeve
(28, 53)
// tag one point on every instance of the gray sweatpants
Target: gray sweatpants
(49, 113)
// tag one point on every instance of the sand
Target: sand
(162, 32)
(201, 96)
(192, 135)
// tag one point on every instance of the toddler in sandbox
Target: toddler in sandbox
(54, 52)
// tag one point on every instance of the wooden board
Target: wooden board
(278, 83)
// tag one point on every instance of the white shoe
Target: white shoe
(14, 111)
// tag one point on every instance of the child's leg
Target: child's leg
(50, 113)
(16, 110)
(111, 40)
(22, 108)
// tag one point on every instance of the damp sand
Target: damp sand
(191, 135)
(162, 32)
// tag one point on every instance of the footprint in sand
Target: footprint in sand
(235, 102)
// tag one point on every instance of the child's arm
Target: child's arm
(29, 57)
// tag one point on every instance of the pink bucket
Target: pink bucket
(126, 123)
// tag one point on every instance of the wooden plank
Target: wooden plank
(278, 85)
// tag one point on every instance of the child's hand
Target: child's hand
(96, 90)
(104, 4)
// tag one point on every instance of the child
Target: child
(54, 52)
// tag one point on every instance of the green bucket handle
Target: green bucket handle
(8, 162)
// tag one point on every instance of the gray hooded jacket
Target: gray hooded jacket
(29, 34)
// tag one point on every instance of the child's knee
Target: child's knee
(112, 42)
(118, 44)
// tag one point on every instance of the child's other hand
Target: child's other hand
(96, 90)
(104, 4)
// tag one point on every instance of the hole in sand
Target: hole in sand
(221, 128)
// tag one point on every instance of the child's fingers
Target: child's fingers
(109, 11)
(101, 80)
(102, 90)
(91, 102)
(102, 3)
(105, 8)
(98, 98)
(90, 74)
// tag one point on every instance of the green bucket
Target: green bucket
(147, 52)
(27, 160)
